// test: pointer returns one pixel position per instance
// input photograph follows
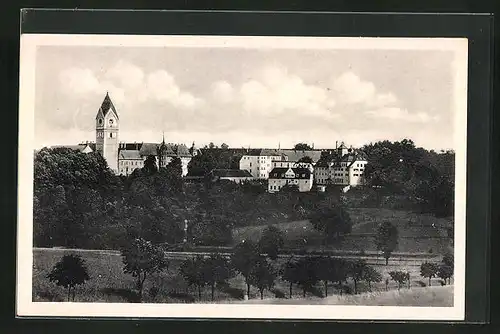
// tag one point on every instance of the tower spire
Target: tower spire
(163, 136)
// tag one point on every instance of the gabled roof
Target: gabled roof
(106, 106)
(296, 155)
(79, 147)
(230, 173)
(279, 173)
(262, 152)
(130, 154)
(180, 150)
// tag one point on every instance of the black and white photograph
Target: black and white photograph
(242, 177)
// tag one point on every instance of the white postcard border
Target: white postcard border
(26, 307)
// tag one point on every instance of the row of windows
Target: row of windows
(101, 135)
(131, 163)
(281, 175)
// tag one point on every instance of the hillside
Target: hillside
(418, 232)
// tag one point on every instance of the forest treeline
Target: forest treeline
(79, 202)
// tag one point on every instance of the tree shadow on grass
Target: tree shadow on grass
(231, 291)
(316, 292)
(48, 296)
(278, 293)
(127, 294)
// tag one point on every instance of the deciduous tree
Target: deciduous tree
(244, 259)
(302, 147)
(399, 277)
(141, 259)
(216, 270)
(387, 239)
(429, 270)
(331, 221)
(371, 275)
(356, 270)
(305, 273)
(262, 276)
(271, 242)
(69, 272)
(445, 272)
(192, 270)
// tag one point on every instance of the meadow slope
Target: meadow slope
(418, 233)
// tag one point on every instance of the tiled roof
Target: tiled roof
(79, 147)
(279, 173)
(262, 152)
(231, 173)
(130, 154)
(296, 155)
(171, 149)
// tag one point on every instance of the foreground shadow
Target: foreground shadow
(127, 294)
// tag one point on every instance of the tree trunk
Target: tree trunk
(291, 290)
(387, 261)
(141, 286)
(326, 288)
(199, 292)
(304, 292)
(69, 292)
(73, 293)
(261, 294)
(213, 290)
(429, 280)
(355, 287)
(248, 291)
(370, 285)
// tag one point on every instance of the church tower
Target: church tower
(107, 122)
(162, 154)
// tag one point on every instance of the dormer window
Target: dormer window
(100, 121)
(111, 122)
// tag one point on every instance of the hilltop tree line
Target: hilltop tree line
(80, 203)
(425, 178)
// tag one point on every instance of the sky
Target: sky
(246, 97)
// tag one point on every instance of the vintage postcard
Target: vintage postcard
(242, 177)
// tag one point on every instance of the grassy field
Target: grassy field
(418, 232)
(109, 284)
(434, 296)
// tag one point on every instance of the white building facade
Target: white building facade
(300, 177)
(345, 167)
(258, 162)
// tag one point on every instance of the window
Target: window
(111, 135)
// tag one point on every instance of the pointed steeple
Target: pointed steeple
(107, 105)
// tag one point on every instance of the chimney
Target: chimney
(336, 144)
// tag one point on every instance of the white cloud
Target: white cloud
(222, 91)
(127, 75)
(127, 84)
(382, 100)
(274, 91)
(78, 81)
(351, 89)
(162, 86)
(399, 114)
